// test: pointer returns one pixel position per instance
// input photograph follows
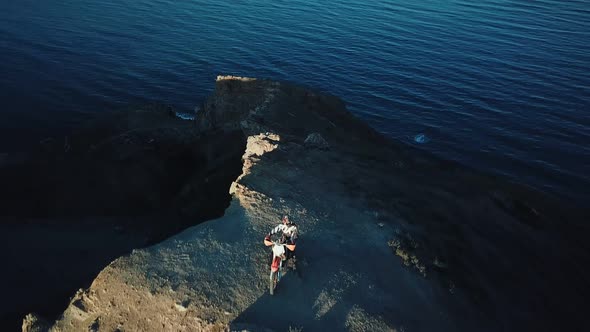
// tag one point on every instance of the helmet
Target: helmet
(286, 220)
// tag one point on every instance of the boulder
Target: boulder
(316, 141)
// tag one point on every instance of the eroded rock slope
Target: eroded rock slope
(392, 239)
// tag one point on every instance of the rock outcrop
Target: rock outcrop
(392, 239)
(125, 180)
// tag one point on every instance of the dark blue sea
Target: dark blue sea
(499, 85)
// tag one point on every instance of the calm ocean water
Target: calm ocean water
(500, 85)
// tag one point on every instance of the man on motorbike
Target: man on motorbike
(288, 238)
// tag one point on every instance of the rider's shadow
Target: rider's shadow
(323, 299)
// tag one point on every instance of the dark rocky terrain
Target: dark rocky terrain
(128, 179)
(392, 238)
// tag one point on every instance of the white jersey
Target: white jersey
(290, 231)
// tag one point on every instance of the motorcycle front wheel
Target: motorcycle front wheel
(273, 282)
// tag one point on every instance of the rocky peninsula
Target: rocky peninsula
(392, 238)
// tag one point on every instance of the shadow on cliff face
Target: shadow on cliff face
(129, 179)
(136, 163)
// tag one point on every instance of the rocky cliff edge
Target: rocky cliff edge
(392, 239)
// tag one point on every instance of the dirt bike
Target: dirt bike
(279, 254)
